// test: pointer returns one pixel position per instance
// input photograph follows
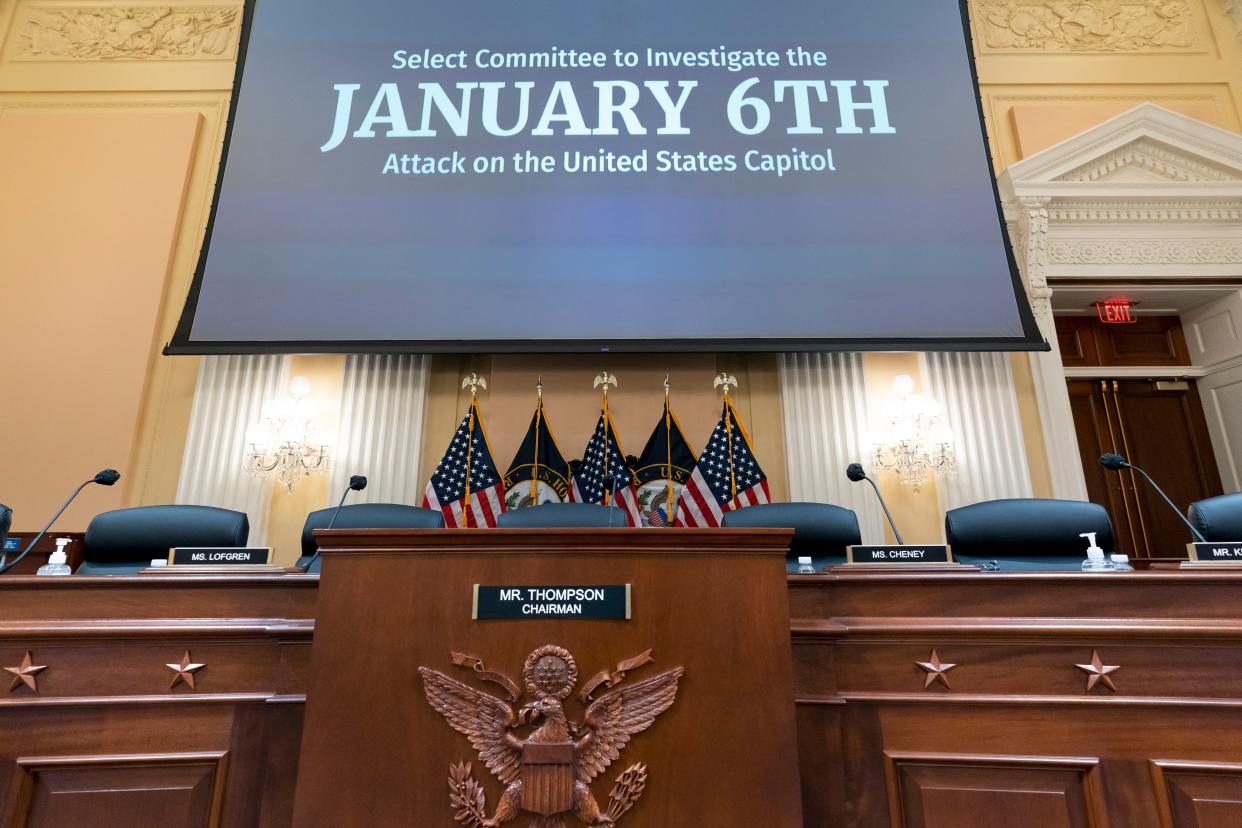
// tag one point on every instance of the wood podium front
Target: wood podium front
(713, 712)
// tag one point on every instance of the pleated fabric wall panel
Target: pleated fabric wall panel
(981, 406)
(825, 403)
(383, 397)
(228, 399)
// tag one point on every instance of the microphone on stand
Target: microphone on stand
(1115, 462)
(610, 481)
(356, 484)
(104, 478)
(854, 471)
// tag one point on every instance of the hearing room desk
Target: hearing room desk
(110, 734)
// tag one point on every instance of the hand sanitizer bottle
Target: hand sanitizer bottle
(805, 567)
(1095, 562)
(57, 562)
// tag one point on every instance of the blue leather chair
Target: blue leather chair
(821, 531)
(1218, 518)
(563, 516)
(365, 516)
(124, 541)
(1027, 533)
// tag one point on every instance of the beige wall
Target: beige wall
(107, 162)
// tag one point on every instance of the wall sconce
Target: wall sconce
(913, 440)
(287, 443)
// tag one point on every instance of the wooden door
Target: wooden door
(1159, 426)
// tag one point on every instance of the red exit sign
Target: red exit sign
(1115, 312)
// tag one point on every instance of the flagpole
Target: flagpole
(474, 381)
(534, 473)
(668, 445)
(728, 381)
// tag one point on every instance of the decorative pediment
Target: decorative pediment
(1146, 161)
(1148, 145)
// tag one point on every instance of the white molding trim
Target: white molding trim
(1149, 193)
(1126, 372)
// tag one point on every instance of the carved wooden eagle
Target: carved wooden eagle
(548, 771)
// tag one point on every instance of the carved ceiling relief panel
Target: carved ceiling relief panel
(54, 33)
(1060, 26)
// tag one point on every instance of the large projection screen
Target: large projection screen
(627, 175)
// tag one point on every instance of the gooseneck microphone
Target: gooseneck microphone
(1115, 462)
(104, 478)
(356, 484)
(854, 471)
(610, 481)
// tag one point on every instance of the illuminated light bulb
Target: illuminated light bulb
(903, 384)
(299, 387)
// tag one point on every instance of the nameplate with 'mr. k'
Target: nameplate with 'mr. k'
(597, 602)
(220, 556)
(893, 555)
(1223, 552)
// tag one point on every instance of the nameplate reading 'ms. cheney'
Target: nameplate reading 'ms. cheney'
(220, 556)
(896, 555)
(596, 602)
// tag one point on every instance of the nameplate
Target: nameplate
(1216, 552)
(219, 556)
(12, 545)
(898, 555)
(608, 602)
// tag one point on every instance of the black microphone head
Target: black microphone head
(107, 477)
(854, 471)
(1113, 461)
(608, 479)
(357, 482)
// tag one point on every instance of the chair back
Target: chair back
(366, 516)
(6, 522)
(1027, 530)
(820, 529)
(123, 541)
(1218, 518)
(563, 516)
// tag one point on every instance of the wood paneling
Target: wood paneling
(949, 791)
(1148, 341)
(159, 789)
(1019, 739)
(103, 740)
(1198, 794)
(1159, 427)
(713, 602)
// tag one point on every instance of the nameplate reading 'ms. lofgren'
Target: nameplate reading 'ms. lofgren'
(219, 556)
(599, 602)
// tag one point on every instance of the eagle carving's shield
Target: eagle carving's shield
(548, 777)
(545, 761)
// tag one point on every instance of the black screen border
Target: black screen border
(181, 343)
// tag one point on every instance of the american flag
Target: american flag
(468, 459)
(727, 476)
(588, 485)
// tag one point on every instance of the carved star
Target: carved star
(936, 670)
(184, 671)
(25, 673)
(1098, 672)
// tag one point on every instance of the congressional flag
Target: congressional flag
(727, 476)
(662, 470)
(604, 457)
(466, 486)
(538, 473)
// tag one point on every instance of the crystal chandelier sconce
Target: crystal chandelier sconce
(913, 439)
(287, 444)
